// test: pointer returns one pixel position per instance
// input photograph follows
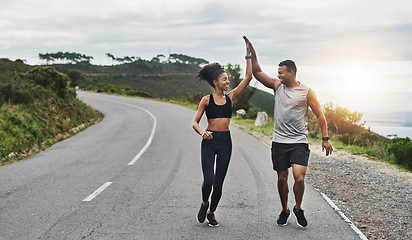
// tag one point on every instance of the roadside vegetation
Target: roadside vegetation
(37, 109)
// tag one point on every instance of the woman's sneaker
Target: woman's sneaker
(212, 220)
(283, 218)
(300, 217)
(201, 216)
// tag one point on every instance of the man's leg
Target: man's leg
(283, 188)
(299, 173)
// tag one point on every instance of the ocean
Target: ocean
(391, 130)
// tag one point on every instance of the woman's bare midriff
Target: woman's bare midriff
(218, 124)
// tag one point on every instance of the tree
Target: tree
(74, 77)
(60, 57)
(242, 102)
(128, 59)
(186, 59)
(109, 55)
(342, 121)
(161, 57)
(155, 59)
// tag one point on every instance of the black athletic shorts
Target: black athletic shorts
(286, 154)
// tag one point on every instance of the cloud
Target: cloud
(331, 40)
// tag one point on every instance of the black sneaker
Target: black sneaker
(212, 220)
(201, 216)
(300, 217)
(283, 218)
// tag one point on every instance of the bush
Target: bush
(50, 79)
(195, 98)
(252, 113)
(138, 93)
(347, 139)
(16, 88)
(401, 148)
(342, 121)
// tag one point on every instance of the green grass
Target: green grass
(27, 129)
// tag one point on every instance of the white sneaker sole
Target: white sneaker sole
(213, 226)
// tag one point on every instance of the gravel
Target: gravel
(376, 197)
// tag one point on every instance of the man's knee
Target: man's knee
(300, 180)
(283, 177)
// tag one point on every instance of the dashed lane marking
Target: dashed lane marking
(97, 192)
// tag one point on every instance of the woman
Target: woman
(216, 138)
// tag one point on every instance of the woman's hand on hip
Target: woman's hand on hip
(207, 135)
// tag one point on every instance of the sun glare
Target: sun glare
(356, 80)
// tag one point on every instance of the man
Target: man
(290, 142)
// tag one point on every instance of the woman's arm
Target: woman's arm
(248, 76)
(202, 106)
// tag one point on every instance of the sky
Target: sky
(354, 53)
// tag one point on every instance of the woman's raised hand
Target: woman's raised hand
(247, 46)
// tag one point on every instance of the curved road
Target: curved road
(87, 187)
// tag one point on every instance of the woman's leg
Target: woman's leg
(208, 162)
(222, 164)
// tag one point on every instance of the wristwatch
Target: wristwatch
(325, 138)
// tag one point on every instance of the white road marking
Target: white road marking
(149, 141)
(97, 192)
(328, 200)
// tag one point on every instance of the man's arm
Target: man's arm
(262, 77)
(316, 109)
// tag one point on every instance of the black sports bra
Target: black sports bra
(219, 111)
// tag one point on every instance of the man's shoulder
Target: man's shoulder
(302, 85)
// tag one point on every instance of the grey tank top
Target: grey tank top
(291, 114)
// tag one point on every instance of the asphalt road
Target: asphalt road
(52, 195)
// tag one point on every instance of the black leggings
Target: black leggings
(220, 145)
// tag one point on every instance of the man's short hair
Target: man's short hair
(290, 65)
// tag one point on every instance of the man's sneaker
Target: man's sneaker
(300, 217)
(283, 218)
(201, 216)
(212, 220)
